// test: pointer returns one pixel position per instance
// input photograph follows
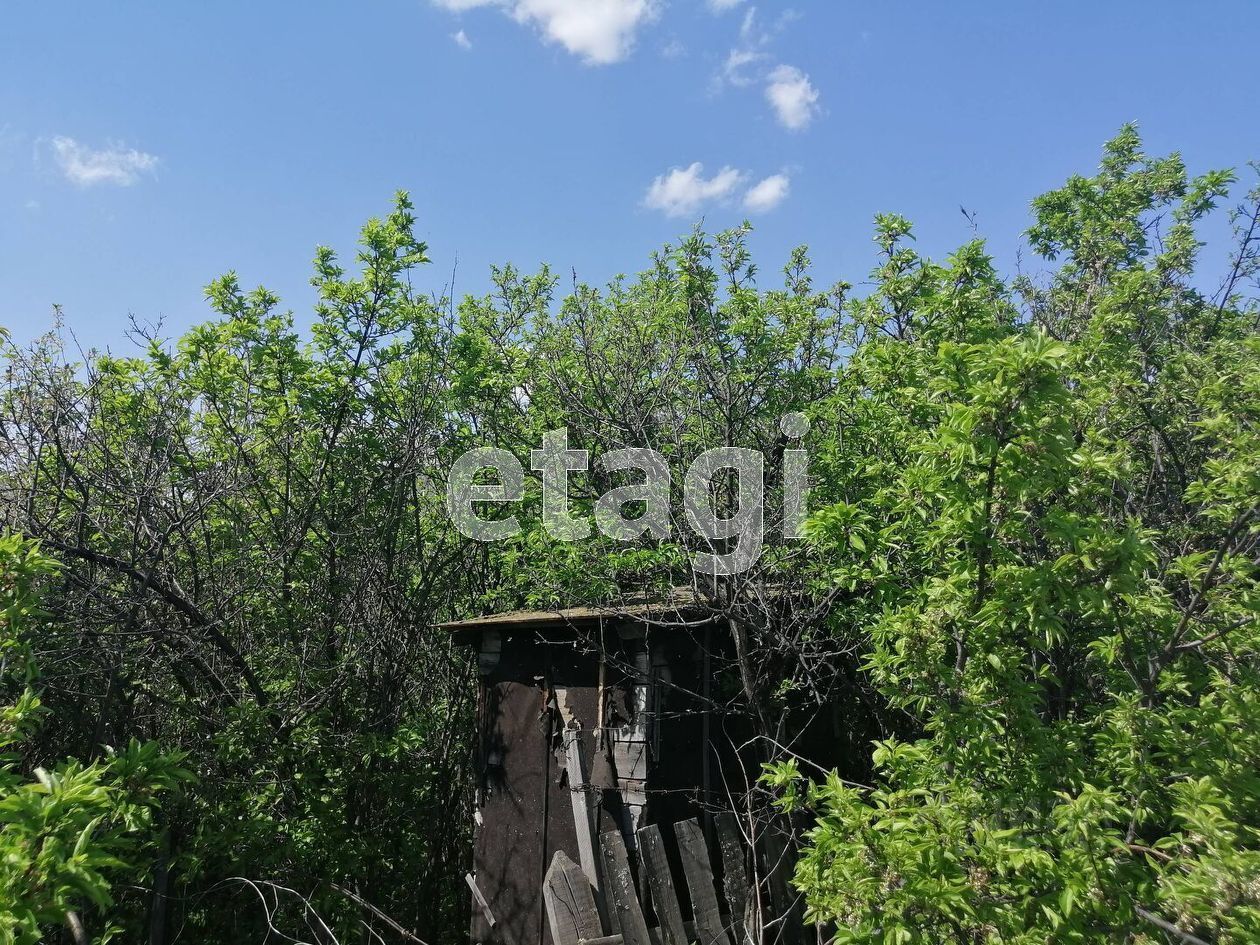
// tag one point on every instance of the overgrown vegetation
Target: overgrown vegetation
(1030, 578)
(71, 832)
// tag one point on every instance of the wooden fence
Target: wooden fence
(580, 912)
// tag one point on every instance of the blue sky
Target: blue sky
(147, 147)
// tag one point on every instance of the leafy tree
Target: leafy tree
(255, 548)
(1049, 541)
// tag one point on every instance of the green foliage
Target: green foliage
(1030, 575)
(1049, 541)
(74, 830)
(254, 549)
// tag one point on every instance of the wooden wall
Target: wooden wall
(543, 682)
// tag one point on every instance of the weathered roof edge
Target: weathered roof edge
(680, 600)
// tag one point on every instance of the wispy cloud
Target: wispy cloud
(789, 91)
(793, 96)
(683, 191)
(113, 164)
(462, 40)
(598, 31)
(743, 64)
(721, 6)
(739, 63)
(767, 193)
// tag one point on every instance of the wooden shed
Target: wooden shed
(589, 719)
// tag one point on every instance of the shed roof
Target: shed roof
(680, 602)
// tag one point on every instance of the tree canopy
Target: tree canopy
(1028, 581)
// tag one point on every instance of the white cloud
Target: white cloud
(748, 27)
(743, 64)
(683, 191)
(788, 89)
(462, 40)
(599, 31)
(793, 96)
(767, 193)
(110, 165)
(738, 61)
(721, 6)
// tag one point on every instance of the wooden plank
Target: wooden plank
(480, 899)
(621, 891)
(653, 933)
(654, 864)
(630, 748)
(704, 904)
(734, 875)
(675, 603)
(583, 820)
(570, 903)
